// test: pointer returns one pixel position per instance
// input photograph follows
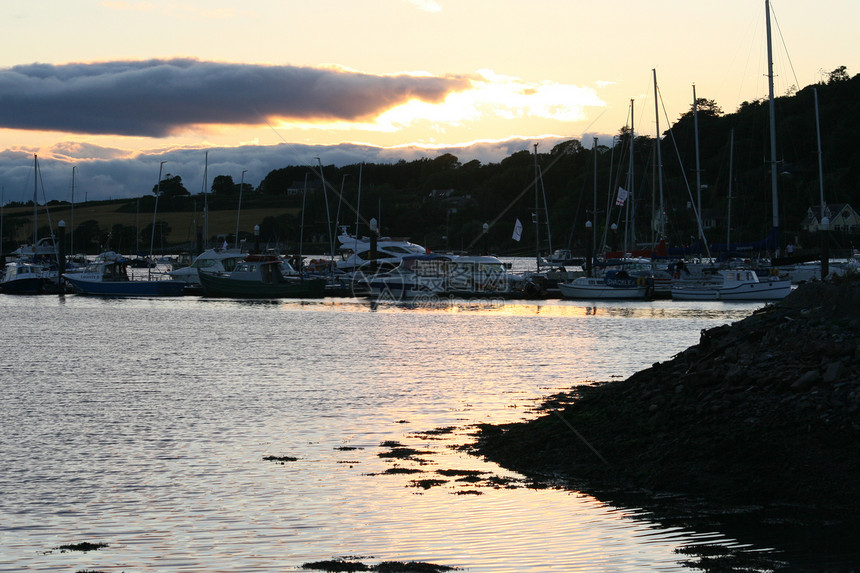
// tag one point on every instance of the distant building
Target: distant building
(842, 217)
(297, 187)
(450, 197)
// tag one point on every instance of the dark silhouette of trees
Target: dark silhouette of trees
(171, 186)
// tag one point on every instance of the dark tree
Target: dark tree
(89, 236)
(840, 74)
(171, 186)
(223, 186)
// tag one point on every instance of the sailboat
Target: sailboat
(32, 270)
(44, 247)
(613, 279)
(108, 274)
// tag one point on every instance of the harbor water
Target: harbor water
(208, 435)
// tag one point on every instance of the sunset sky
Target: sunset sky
(113, 87)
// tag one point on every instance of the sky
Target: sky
(110, 89)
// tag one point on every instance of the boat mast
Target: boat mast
(357, 208)
(155, 211)
(546, 211)
(205, 201)
(630, 183)
(698, 165)
(35, 198)
(825, 225)
(731, 162)
(537, 214)
(661, 224)
(594, 214)
(773, 173)
(72, 239)
(327, 211)
(302, 225)
(820, 166)
(239, 209)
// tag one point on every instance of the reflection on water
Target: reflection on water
(143, 424)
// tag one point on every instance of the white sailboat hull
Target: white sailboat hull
(752, 290)
(596, 289)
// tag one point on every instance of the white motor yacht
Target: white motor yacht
(209, 261)
(355, 252)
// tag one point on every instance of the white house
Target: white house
(842, 217)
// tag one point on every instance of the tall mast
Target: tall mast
(35, 197)
(594, 213)
(327, 211)
(155, 210)
(630, 219)
(698, 166)
(72, 240)
(820, 166)
(537, 214)
(824, 226)
(661, 224)
(357, 208)
(731, 176)
(239, 208)
(773, 173)
(205, 201)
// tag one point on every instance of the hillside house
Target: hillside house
(843, 218)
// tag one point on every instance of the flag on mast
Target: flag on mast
(622, 196)
(518, 230)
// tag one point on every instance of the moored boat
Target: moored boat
(605, 288)
(209, 261)
(262, 276)
(735, 284)
(356, 253)
(613, 280)
(416, 276)
(44, 247)
(439, 275)
(108, 276)
(563, 257)
(24, 277)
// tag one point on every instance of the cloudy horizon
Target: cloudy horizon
(102, 173)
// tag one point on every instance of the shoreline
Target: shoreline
(761, 417)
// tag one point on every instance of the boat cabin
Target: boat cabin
(268, 269)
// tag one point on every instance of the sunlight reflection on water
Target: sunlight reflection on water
(143, 424)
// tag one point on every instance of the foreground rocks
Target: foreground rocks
(763, 411)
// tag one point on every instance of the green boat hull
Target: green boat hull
(221, 286)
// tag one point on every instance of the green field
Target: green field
(182, 224)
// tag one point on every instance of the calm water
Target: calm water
(143, 424)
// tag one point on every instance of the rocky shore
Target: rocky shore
(762, 412)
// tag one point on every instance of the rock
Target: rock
(806, 381)
(833, 373)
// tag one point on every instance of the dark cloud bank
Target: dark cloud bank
(155, 98)
(159, 97)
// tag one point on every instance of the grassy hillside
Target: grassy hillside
(18, 221)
